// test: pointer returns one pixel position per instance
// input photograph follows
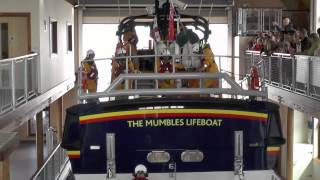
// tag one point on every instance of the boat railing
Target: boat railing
(294, 73)
(228, 86)
(53, 166)
(18, 81)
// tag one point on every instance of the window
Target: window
(69, 37)
(53, 36)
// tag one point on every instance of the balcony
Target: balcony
(20, 99)
(292, 80)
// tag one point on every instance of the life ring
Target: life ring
(254, 79)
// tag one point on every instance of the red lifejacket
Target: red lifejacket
(166, 67)
(84, 82)
(254, 79)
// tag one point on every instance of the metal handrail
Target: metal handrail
(236, 89)
(40, 171)
(149, 56)
(20, 84)
(296, 77)
(18, 58)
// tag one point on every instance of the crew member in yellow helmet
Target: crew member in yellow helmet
(210, 66)
(90, 73)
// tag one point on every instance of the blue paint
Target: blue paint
(133, 144)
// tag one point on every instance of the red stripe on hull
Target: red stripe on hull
(172, 115)
(74, 156)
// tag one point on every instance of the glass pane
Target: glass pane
(252, 19)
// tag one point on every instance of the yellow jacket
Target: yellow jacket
(91, 84)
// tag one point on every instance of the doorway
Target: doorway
(4, 37)
(15, 34)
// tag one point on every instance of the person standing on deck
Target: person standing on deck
(89, 73)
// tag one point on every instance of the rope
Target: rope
(211, 8)
(129, 8)
(119, 10)
(200, 7)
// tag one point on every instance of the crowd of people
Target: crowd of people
(287, 39)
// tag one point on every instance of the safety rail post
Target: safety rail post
(127, 71)
(293, 85)
(308, 88)
(25, 63)
(263, 76)
(269, 70)
(220, 80)
(13, 93)
(37, 73)
(79, 82)
(280, 71)
(155, 63)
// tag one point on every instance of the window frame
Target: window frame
(53, 41)
(68, 36)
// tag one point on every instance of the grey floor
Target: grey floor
(23, 161)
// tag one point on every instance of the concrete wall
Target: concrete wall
(58, 68)
(25, 6)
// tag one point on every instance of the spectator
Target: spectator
(304, 40)
(258, 46)
(287, 26)
(318, 32)
(315, 44)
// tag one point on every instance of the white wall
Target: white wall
(25, 6)
(317, 14)
(302, 150)
(316, 169)
(55, 70)
(300, 127)
(0, 43)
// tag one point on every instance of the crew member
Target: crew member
(89, 73)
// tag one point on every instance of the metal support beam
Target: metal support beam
(55, 109)
(5, 169)
(290, 118)
(8, 142)
(39, 140)
(231, 40)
